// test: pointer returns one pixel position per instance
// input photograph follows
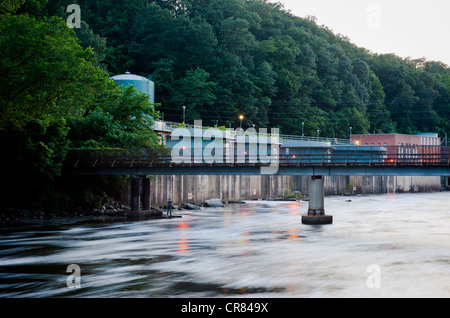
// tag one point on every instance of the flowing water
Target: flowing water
(394, 245)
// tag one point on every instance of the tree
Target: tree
(235, 36)
(195, 92)
(156, 35)
(377, 113)
(117, 118)
(10, 6)
(47, 74)
(52, 84)
(90, 40)
(237, 42)
(113, 20)
(48, 78)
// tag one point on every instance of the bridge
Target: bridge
(316, 162)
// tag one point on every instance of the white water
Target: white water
(259, 249)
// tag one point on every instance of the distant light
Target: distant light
(293, 156)
(357, 142)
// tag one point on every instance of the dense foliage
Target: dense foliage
(222, 58)
(56, 96)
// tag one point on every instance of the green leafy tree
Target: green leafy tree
(195, 92)
(51, 84)
(263, 60)
(88, 39)
(377, 113)
(113, 20)
(10, 6)
(47, 74)
(356, 120)
(117, 118)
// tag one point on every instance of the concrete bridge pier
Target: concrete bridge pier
(146, 193)
(316, 209)
(135, 194)
(136, 198)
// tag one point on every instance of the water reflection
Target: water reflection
(258, 249)
(183, 241)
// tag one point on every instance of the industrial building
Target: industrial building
(406, 143)
(402, 147)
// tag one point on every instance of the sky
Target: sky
(407, 28)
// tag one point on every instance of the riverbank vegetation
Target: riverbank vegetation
(219, 58)
(56, 96)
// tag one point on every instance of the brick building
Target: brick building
(386, 140)
(410, 149)
(402, 147)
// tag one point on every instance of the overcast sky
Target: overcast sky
(408, 28)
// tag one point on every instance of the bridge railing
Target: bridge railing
(308, 156)
(170, 126)
(333, 141)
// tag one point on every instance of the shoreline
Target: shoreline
(16, 217)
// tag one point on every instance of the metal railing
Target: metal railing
(333, 141)
(170, 126)
(308, 156)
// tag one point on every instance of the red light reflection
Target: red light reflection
(183, 241)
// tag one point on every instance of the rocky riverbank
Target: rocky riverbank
(111, 210)
(117, 210)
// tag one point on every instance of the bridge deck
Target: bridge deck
(430, 161)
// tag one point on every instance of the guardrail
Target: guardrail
(308, 156)
(170, 126)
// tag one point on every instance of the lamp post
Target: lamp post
(184, 114)
(318, 131)
(303, 127)
(240, 120)
(350, 138)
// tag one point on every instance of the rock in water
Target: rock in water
(189, 206)
(213, 203)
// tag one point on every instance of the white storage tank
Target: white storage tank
(141, 84)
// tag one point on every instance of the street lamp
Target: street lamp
(240, 119)
(184, 114)
(318, 133)
(350, 133)
(303, 127)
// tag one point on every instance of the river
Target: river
(392, 245)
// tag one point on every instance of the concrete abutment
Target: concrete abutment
(140, 193)
(156, 190)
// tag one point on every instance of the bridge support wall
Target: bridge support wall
(316, 195)
(135, 195)
(316, 209)
(146, 193)
(196, 189)
(140, 194)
